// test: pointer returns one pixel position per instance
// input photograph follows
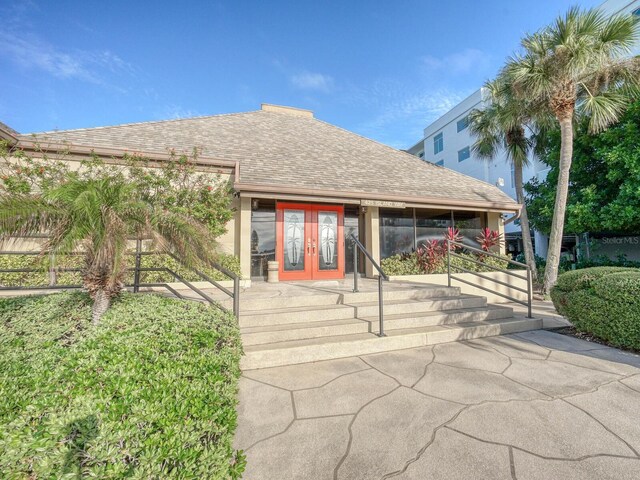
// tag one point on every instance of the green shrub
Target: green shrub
(401, 264)
(602, 301)
(407, 264)
(149, 393)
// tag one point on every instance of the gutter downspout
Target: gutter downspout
(513, 218)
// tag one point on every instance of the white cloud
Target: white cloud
(459, 62)
(312, 81)
(31, 52)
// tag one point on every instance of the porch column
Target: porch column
(494, 222)
(243, 236)
(372, 238)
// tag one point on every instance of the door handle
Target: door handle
(314, 247)
(308, 246)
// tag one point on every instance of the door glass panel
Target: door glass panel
(327, 240)
(293, 240)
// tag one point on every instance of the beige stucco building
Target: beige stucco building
(302, 186)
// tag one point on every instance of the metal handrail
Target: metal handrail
(137, 270)
(381, 276)
(529, 277)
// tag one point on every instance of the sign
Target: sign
(381, 203)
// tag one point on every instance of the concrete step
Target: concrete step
(279, 316)
(319, 313)
(329, 297)
(407, 306)
(299, 331)
(340, 346)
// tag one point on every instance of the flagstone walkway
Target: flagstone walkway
(536, 405)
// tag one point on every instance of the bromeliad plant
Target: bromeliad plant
(489, 239)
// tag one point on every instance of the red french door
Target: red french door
(309, 241)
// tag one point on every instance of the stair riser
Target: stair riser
(314, 353)
(417, 294)
(268, 303)
(424, 306)
(281, 318)
(261, 338)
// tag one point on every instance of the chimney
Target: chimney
(296, 112)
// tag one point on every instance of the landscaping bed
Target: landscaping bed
(150, 392)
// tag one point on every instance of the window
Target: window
(464, 154)
(440, 163)
(438, 143)
(470, 225)
(431, 225)
(396, 232)
(263, 237)
(636, 12)
(421, 155)
(463, 123)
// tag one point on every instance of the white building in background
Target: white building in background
(448, 142)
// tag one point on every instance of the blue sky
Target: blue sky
(383, 69)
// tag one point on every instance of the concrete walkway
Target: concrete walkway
(536, 405)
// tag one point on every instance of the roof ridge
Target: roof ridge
(149, 122)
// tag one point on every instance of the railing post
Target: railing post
(355, 267)
(448, 262)
(236, 297)
(529, 291)
(53, 276)
(380, 307)
(136, 273)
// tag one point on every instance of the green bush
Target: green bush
(602, 301)
(41, 278)
(407, 264)
(149, 393)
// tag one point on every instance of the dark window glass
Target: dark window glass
(351, 225)
(263, 238)
(464, 154)
(470, 225)
(440, 163)
(463, 123)
(438, 143)
(397, 233)
(636, 12)
(431, 225)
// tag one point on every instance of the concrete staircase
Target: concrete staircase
(288, 330)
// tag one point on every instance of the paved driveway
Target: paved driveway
(536, 405)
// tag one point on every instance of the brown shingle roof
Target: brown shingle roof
(277, 149)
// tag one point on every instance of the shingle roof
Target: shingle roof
(278, 149)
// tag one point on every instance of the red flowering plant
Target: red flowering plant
(430, 255)
(488, 239)
(452, 235)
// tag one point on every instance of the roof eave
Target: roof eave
(409, 199)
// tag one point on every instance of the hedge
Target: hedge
(602, 301)
(39, 278)
(149, 393)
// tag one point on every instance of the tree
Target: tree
(604, 179)
(501, 125)
(576, 67)
(95, 211)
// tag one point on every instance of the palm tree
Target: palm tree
(576, 67)
(501, 125)
(97, 216)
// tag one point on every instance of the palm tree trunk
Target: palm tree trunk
(101, 304)
(562, 190)
(524, 223)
